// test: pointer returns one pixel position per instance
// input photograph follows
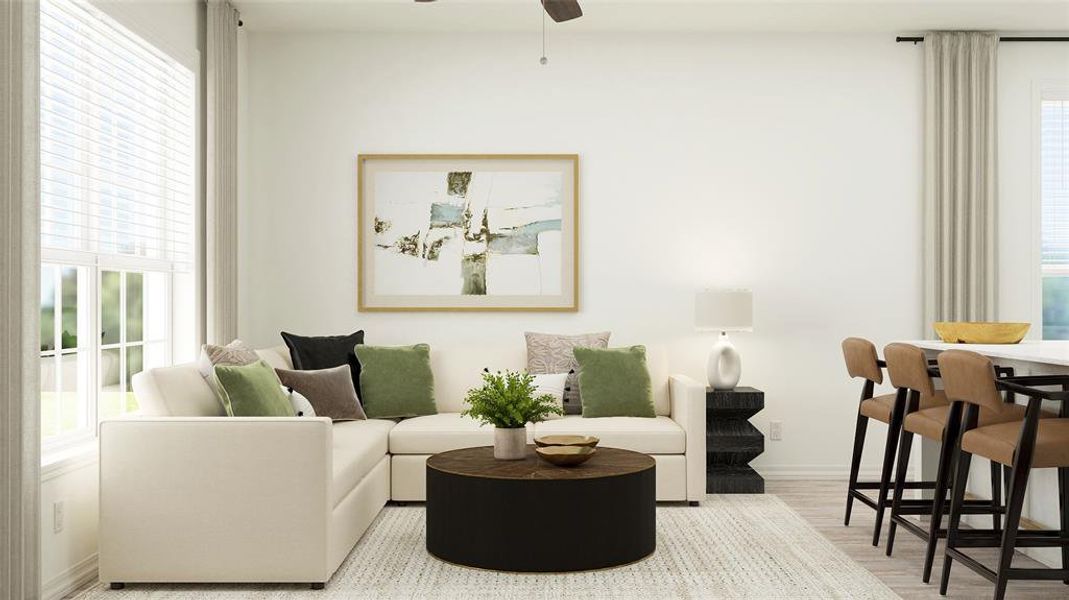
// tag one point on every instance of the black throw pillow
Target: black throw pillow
(325, 352)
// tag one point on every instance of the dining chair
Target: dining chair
(1035, 442)
(862, 362)
(931, 416)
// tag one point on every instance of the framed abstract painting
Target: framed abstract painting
(444, 232)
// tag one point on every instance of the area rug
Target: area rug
(737, 546)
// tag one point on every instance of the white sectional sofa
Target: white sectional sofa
(189, 495)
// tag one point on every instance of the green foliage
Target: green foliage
(507, 400)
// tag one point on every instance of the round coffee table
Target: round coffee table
(529, 515)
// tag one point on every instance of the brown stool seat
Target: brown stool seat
(998, 442)
(930, 422)
(880, 407)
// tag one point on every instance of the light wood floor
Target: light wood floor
(822, 504)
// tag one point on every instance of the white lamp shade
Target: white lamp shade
(724, 310)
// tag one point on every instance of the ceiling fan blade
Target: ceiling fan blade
(562, 10)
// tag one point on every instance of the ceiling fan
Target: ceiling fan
(558, 10)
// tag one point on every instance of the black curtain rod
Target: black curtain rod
(917, 40)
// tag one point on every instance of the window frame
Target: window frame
(80, 435)
(96, 264)
(1041, 91)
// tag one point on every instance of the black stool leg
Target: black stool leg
(1063, 496)
(961, 477)
(996, 495)
(1014, 504)
(905, 445)
(893, 429)
(855, 463)
(942, 483)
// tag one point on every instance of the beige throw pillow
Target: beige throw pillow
(552, 353)
(235, 354)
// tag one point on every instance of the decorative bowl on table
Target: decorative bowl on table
(566, 456)
(566, 440)
(978, 332)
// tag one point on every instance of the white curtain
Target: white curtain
(221, 211)
(19, 296)
(960, 177)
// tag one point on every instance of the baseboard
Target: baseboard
(74, 578)
(817, 472)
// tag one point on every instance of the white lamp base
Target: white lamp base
(725, 365)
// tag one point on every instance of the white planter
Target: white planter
(510, 444)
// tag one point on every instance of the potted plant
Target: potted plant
(508, 402)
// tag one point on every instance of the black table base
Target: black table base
(732, 441)
(540, 525)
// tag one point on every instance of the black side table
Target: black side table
(732, 441)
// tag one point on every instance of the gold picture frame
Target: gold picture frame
(407, 186)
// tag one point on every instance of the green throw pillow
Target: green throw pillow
(252, 391)
(614, 382)
(396, 381)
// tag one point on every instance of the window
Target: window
(117, 202)
(1054, 198)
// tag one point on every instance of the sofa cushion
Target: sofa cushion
(659, 435)
(329, 390)
(178, 391)
(615, 382)
(358, 447)
(552, 353)
(552, 384)
(325, 352)
(431, 434)
(396, 381)
(235, 354)
(252, 391)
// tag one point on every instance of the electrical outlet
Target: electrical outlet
(775, 430)
(57, 516)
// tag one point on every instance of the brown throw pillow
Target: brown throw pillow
(330, 391)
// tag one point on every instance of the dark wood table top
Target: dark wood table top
(480, 462)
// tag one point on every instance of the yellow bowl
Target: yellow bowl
(566, 456)
(566, 440)
(964, 332)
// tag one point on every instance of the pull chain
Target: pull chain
(543, 60)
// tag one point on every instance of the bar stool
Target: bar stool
(1034, 443)
(861, 361)
(930, 415)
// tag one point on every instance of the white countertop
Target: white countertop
(1049, 352)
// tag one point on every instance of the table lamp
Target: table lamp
(724, 311)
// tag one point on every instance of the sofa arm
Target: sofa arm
(215, 499)
(687, 398)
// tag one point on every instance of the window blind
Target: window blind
(117, 140)
(1054, 185)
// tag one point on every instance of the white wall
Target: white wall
(788, 163)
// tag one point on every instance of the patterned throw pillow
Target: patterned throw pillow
(552, 353)
(235, 354)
